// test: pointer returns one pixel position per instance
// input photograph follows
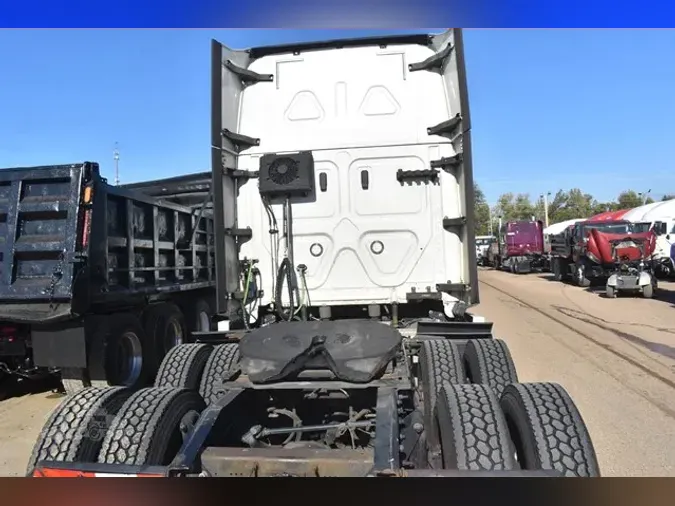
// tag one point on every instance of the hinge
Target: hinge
(247, 76)
(239, 232)
(449, 163)
(434, 62)
(446, 128)
(240, 235)
(240, 141)
(243, 174)
(454, 222)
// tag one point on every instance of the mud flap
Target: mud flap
(65, 347)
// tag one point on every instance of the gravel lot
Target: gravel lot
(616, 357)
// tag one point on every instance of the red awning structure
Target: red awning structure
(609, 216)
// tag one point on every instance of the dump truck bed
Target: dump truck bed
(70, 241)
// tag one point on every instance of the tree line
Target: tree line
(565, 205)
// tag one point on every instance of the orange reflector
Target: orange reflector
(71, 473)
(88, 194)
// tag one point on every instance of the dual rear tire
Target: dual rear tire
(117, 426)
(485, 361)
(144, 427)
(480, 418)
(533, 426)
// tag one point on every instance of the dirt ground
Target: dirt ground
(616, 357)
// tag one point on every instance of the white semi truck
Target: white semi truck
(659, 217)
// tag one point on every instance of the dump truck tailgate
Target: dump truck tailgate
(39, 221)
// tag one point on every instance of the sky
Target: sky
(551, 109)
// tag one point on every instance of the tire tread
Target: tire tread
(489, 362)
(69, 434)
(135, 429)
(476, 426)
(441, 363)
(221, 360)
(183, 366)
(557, 432)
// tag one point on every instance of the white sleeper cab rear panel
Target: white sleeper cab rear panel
(365, 237)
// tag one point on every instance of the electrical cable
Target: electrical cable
(255, 303)
(245, 314)
(274, 241)
(304, 285)
(287, 274)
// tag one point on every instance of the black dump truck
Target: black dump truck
(334, 372)
(99, 281)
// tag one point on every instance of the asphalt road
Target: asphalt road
(616, 357)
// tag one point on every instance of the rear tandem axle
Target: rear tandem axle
(441, 406)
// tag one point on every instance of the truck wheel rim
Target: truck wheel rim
(130, 358)
(175, 334)
(204, 322)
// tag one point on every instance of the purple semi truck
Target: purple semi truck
(520, 248)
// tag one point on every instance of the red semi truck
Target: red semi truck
(520, 248)
(587, 249)
(630, 255)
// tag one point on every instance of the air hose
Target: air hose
(286, 273)
(248, 282)
(246, 292)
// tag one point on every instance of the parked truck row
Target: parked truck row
(608, 248)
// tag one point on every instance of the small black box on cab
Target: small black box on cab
(290, 175)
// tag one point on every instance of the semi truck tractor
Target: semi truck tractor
(342, 172)
(581, 254)
(520, 248)
(660, 218)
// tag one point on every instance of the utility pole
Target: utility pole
(490, 218)
(545, 197)
(645, 196)
(116, 157)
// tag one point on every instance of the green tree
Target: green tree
(482, 211)
(512, 206)
(570, 205)
(505, 206)
(630, 199)
(565, 205)
(603, 207)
